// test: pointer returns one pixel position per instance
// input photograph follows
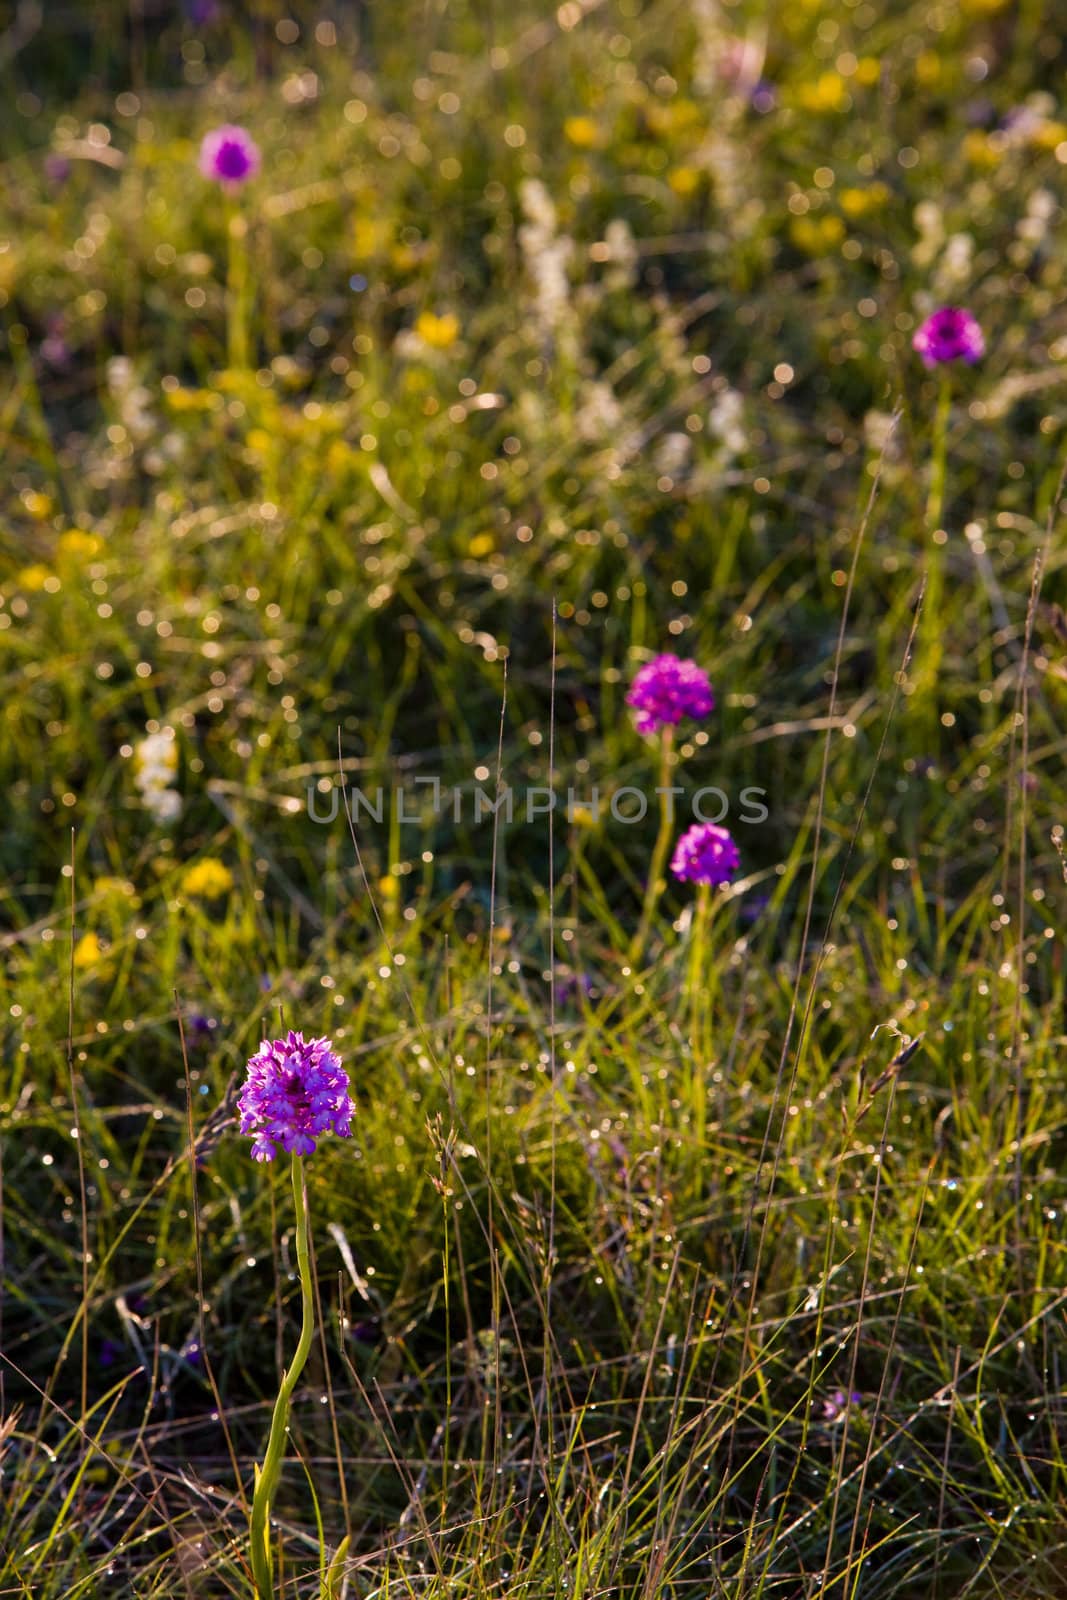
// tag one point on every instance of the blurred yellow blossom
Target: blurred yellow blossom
(78, 544)
(108, 888)
(684, 180)
(388, 887)
(583, 817)
(816, 236)
(1049, 135)
(482, 544)
(582, 131)
(372, 235)
(980, 150)
(827, 93)
(88, 953)
(861, 202)
(927, 68)
(438, 332)
(181, 400)
(33, 578)
(868, 71)
(207, 879)
(38, 505)
(258, 440)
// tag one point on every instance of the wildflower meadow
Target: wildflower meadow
(534, 643)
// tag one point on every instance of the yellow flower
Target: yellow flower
(371, 235)
(861, 202)
(582, 131)
(258, 440)
(583, 817)
(207, 879)
(33, 578)
(980, 150)
(827, 93)
(816, 236)
(481, 545)
(77, 544)
(927, 68)
(868, 71)
(684, 180)
(388, 887)
(1049, 135)
(438, 332)
(113, 889)
(192, 400)
(38, 505)
(88, 953)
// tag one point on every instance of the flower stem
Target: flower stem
(698, 1005)
(267, 1475)
(658, 861)
(930, 660)
(237, 291)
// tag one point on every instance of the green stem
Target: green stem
(267, 1475)
(237, 291)
(656, 882)
(930, 661)
(936, 499)
(698, 1006)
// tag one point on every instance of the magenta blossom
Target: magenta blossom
(668, 689)
(835, 1406)
(296, 1091)
(230, 155)
(705, 854)
(950, 334)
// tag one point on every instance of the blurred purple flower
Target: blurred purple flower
(57, 168)
(836, 1404)
(705, 854)
(230, 155)
(201, 12)
(752, 908)
(296, 1091)
(668, 689)
(950, 334)
(54, 348)
(109, 1353)
(366, 1332)
(190, 1352)
(573, 986)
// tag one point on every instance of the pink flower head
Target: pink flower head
(230, 155)
(950, 334)
(705, 854)
(668, 689)
(296, 1090)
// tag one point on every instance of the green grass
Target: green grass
(613, 1239)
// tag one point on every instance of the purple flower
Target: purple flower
(54, 348)
(764, 97)
(296, 1090)
(950, 334)
(109, 1352)
(668, 689)
(230, 155)
(56, 168)
(705, 854)
(835, 1405)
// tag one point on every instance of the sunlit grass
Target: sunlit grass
(554, 339)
